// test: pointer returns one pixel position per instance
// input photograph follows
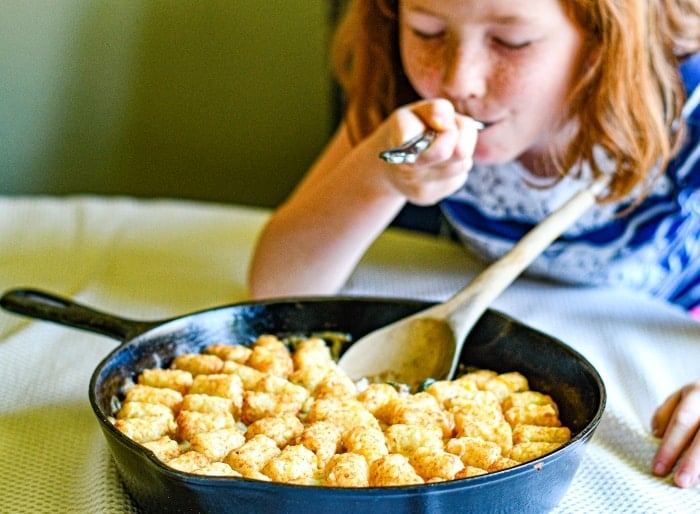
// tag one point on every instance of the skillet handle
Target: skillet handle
(49, 307)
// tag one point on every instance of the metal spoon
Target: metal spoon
(408, 152)
(428, 344)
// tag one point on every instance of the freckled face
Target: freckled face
(508, 63)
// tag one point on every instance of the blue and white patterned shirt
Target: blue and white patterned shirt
(655, 248)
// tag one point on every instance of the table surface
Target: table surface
(153, 259)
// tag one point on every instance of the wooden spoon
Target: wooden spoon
(428, 344)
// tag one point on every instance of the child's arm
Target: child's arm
(314, 240)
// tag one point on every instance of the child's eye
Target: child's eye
(427, 35)
(512, 45)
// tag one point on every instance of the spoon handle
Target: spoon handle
(467, 305)
(408, 152)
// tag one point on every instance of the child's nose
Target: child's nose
(465, 72)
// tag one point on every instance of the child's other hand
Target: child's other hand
(443, 167)
(677, 422)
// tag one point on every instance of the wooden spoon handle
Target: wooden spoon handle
(467, 305)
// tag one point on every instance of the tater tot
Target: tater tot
(516, 381)
(502, 463)
(479, 403)
(537, 433)
(498, 432)
(523, 452)
(366, 441)
(177, 379)
(164, 448)
(270, 355)
(294, 464)
(544, 415)
(422, 400)
(392, 410)
(188, 462)
(505, 384)
(335, 383)
(308, 377)
(217, 443)
(498, 388)
(444, 390)
(435, 463)
(344, 412)
(312, 352)
(280, 386)
(258, 405)
(469, 414)
(416, 416)
(249, 376)
(393, 469)
(207, 403)
(470, 471)
(190, 423)
(282, 429)
(271, 342)
(249, 458)
(478, 377)
(220, 384)
(474, 451)
(376, 396)
(267, 360)
(198, 364)
(217, 469)
(523, 398)
(406, 439)
(473, 413)
(229, 352)
(347, 470)
(143, 430)
(323, 438)
(143, 409)
(257, 475)
(149, 394)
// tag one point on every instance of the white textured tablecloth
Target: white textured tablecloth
(154, 259)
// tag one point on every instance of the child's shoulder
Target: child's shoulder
(690, 71)
(686, 165)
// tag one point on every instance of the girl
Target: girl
(566, 90)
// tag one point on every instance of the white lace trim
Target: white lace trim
(510, 192)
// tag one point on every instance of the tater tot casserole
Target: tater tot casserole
(285, 412)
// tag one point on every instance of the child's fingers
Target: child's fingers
(689, 466)
(468, 134)
(437, 114)
(662, 415)
(680, 434)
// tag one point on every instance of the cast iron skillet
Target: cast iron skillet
(497, 342)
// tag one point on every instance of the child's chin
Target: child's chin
(490, 158)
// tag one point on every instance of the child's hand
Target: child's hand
(443, 167)
(677, 421)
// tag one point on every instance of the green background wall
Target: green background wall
(206, 99)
